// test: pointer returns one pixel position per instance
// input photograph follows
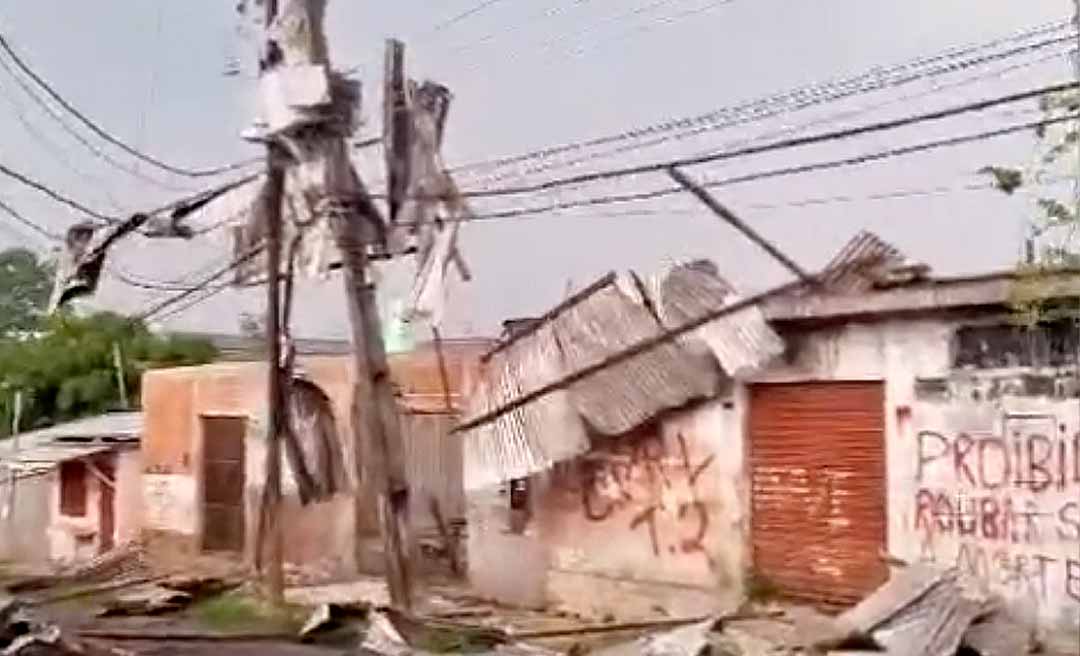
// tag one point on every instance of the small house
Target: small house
(70, 492)
(204, 459)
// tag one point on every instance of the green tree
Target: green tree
(1052, 241)
(67, 369)
(25, 283)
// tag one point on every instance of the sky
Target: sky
(526, 75)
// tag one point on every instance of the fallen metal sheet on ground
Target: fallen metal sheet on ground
(335, 623)
(383, 638)
(146, 600)
(926, 611)
(999, 634)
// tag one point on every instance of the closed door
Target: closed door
(106, 504)
(223, 483)
(817, 456)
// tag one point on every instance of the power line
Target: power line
(809, 94)
(783, 144)
(101, 132)
(55, 195)
(36, 227)
(663, 192)
(55, 150)
(77, 136)
(221, 273)
(475, 9)
(771, 112)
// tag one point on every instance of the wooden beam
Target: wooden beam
(724, 213)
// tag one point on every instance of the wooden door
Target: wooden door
(223, 483)
(817, 456)
(106, 504)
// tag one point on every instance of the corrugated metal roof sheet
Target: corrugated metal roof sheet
(867, 261)
(621, 398)
(618, 399)
(74, 439)
(742, 342)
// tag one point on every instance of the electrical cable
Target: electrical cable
(471, 11)
(55, 150)
(221, 273)
(783, 144)
(817, 90)
(77, 136)
(55, 195)
(36, 227)
(772, 173)
(105, 135)
(678, 136)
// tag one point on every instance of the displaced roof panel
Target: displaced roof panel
(601, 321)
(531, 438)
(849, 271)
(620, 398)
(743, 341)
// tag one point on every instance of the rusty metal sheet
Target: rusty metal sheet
(817, 457)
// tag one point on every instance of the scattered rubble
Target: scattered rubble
(335, 623)
(928, 611)
(146, 600)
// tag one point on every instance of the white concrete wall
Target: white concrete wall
(1005, 459)
(1029, 554)
(24, 537)
(661, 525)
(129, 496)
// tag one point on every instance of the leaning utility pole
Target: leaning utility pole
(272, 197)
(316, 107)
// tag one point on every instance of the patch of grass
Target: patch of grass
(237, 613)
(452, 642)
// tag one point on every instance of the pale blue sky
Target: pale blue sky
(527, 74)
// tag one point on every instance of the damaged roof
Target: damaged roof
(45, 448)
(604, 319)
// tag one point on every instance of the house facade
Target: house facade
(70, 492)
(204, 459)
(907, 417)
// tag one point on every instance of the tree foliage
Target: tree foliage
(25, 283)
(1055, 218)
(67, 368)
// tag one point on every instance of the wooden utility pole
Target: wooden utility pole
(318, 141)
(16, 419)
(121, 383)
(273, 193)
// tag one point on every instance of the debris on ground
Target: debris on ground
(391, 633)
(928, 611)
(22, 634)
(335, 623)
(147, 600)
(920, 611)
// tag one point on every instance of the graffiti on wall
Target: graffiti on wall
(1006, 500)
(650, 487)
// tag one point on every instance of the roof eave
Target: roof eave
(991, 289)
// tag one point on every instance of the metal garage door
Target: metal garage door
(817, 456)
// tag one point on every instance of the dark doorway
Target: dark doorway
(223, 483)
